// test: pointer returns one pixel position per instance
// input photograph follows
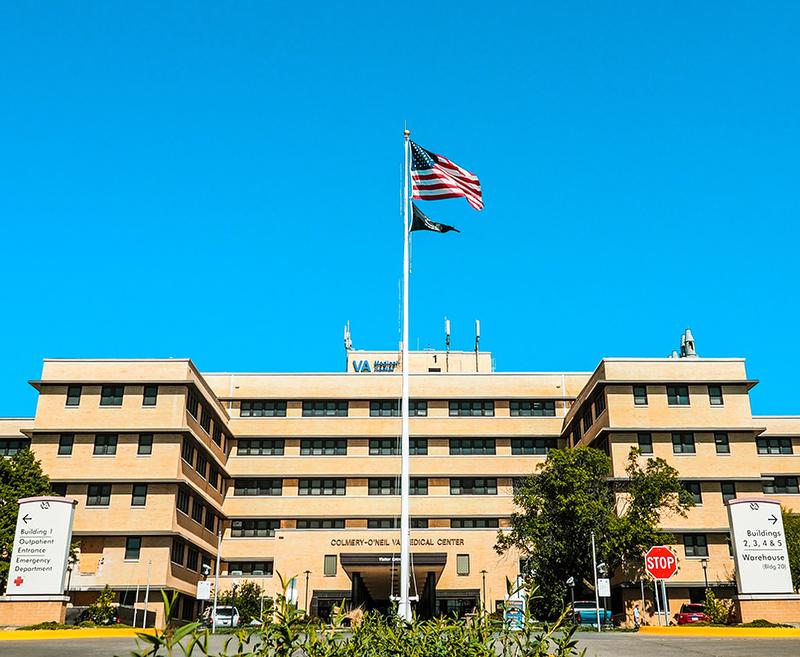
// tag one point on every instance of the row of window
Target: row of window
(684, 443)
(196, 456)
(201, 513)
(265, 527)
(390, 446)
(10, 446)
(186, 555)
(202, 413)
(261, 486)
(678, 395)
(112, 395)
(391, 408)
(105, 444)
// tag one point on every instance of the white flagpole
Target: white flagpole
(404, 609)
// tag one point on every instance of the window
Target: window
(10, 446)
(257, 486)
(323, 447)
(640, 395)
(263, 447)
(473, 486)
(587, 419)
(205, 419)
(74, 395)
(211, 519)
(715, 395)
(721, 443)
(145, 447)
(383, 523)
(645, 441)
(183, 500)
(471, 446)
(383, 486)
(329, 565)
(599, 404)
(683, 443)
(197, 510)
(781, 486)
(474, 523)
(774, 445)
(105, 444)
(139, 495)
(320, 523)
(187, 451)
(695, 545)
(66, 441)
(383, 447)
(59, 489)
(472, 407)
(418, 408)
(262, 408)
(178, 548)
(728, 491)
(322, 487)
(417, 446)
(694, 488)
(98, 495)
(192, 557)
(217, 436)
(202, 464)
(111, 395)
(678, 395)
(325, 408)
(213, 477)
(254, 568)
(536, 446)
(133, 547)
(384, 408)
(532, 408)
(419, 486)
(150, 396)
(419, 523)
(192, 403)
(260, 528)
(462, 564)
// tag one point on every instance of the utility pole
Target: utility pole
(596, 593)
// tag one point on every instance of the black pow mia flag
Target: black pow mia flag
(420, 222)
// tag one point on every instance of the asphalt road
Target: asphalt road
(603, 645)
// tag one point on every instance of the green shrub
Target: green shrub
(719, 612)
(371, 634)
(762, 622)
(47, 625)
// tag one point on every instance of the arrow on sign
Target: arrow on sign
(772, 519)
(25, 518)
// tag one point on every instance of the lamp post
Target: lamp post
(483, 575)
(307, 573)
(704, 564)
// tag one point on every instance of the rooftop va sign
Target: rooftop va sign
(377, 366)
(41, 546)
(759, 546)
(660, 562)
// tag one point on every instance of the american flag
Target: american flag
(434, 177)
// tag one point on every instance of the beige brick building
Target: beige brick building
(299, 472)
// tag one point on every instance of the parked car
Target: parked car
(692, 613)
(585, 613)
(226, 617)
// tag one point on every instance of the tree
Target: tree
(791, 528)
(20, 476)
(571, 495)
(247, 600)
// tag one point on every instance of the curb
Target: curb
(88, 633)
(730, 632)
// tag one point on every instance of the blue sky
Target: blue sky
(221, 181)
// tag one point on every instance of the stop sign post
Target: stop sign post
(661, 564)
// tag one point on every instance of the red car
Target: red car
(692, 613)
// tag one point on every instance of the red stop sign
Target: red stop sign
(660, 562)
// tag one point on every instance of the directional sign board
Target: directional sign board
(41, 546)
(660, 562)
(759, 546)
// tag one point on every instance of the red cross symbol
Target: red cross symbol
(18, 581)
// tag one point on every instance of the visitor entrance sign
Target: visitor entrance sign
(41, 546)
(660, 562)
(759, 546)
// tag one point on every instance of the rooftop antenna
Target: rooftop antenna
(691, 352)
(348, 343)
(446, 344)
(477, 341)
